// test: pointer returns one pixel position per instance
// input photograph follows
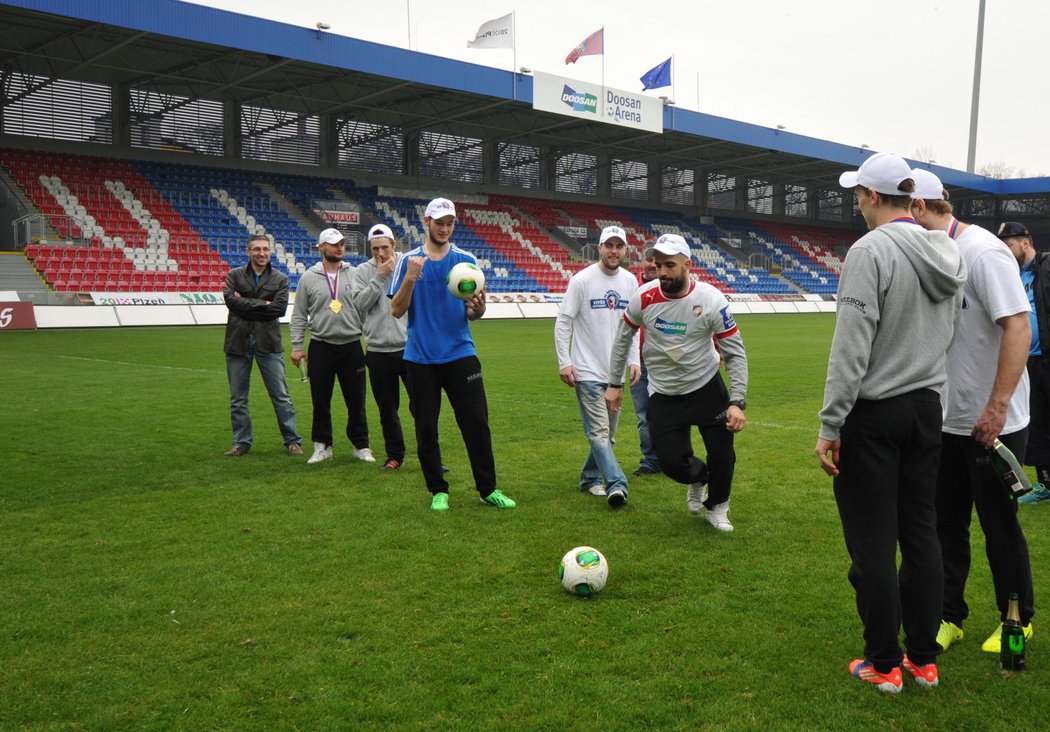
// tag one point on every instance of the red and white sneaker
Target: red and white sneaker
(923, 675)
(891, 682)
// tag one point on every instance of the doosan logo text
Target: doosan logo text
(579, 101)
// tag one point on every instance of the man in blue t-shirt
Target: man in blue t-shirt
(440, 355)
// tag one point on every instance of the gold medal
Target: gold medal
(335, 306)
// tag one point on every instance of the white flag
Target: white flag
(498, 33)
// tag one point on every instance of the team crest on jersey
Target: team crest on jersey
(611, 301)
(669, 328)
(697, 311)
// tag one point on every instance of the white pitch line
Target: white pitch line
(138, 365)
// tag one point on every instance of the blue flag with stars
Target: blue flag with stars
(659, 75)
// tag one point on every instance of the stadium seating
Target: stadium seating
(149, 226)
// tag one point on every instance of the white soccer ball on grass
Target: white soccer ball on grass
(583, 571)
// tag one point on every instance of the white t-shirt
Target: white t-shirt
(594, 303)
(993, 290)
(679, 349)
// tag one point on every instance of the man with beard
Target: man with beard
(440, 356)
(323, 306)
(590, 313)
(686, 324)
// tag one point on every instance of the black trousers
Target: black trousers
(885, 492)
(967, 481)
(671, 419)
(345, 362)
(461, 381)
(1037, 453)
(386, 371)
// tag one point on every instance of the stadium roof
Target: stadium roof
(199, 52)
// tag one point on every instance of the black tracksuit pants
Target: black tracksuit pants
(386, 371)
(967, 481)
(885, 493)
(345, 362)
(461, 382)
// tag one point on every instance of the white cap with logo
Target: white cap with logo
(329, 236)
(439, 208)
(612, 231)
(883, 172)
(670, 245)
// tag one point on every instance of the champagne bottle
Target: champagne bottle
(1009, 471)
(1011, 652)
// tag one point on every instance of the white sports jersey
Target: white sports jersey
(993, 290)
(679, 349)
(594, 303)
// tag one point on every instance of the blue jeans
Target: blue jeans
(600, 428)
(239, 371)
(640, 399)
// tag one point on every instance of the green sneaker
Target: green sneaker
(948, 634)
(497, 499)
(439, 502)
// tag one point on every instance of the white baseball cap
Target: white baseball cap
(882, 172)
(330, 236)
(927, 185)
(439, 208)
(612, 231)
(669, 244)
(380, 230)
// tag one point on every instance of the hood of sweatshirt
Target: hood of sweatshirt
(934, 256)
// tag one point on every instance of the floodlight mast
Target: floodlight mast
(971, 153)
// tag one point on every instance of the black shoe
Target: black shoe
(444, 468)
(646, 470)
(391, 464)
(617, 499)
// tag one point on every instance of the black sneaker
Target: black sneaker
(646, 470)
(391, 464)
(617, 499)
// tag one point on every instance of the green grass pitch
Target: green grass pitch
(148, 582)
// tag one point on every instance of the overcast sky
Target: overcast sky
(896, 75)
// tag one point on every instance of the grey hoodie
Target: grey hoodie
(312, 309)
(898, 299)
(383, 332)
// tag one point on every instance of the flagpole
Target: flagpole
(673, 64)
(408, 12)
(514, 51)
(602, 103)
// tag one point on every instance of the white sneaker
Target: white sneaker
(364, 455)
(594, 490)
(718, 516)
(322, 452)
(695, 497)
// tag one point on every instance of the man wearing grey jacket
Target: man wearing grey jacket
(324, 306)
(385, 337)
(880, 428)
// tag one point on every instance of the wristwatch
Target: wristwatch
(614, 386)
(738, 403)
